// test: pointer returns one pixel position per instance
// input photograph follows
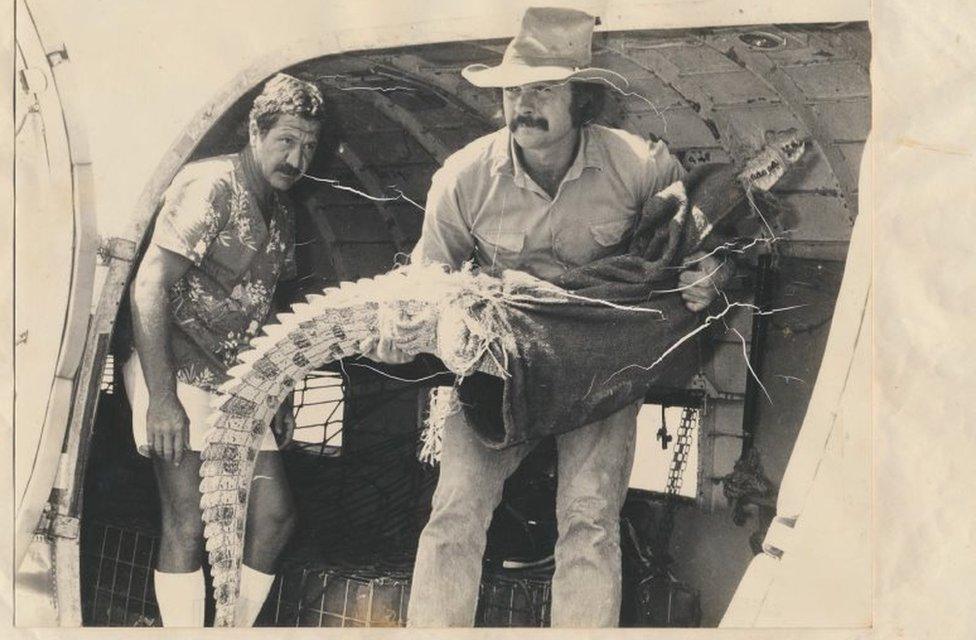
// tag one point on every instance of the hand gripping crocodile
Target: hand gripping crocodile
(459, 311)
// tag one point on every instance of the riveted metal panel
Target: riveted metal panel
(831, 82)
(852, 156)
(460, 54)
(848, 121)
(819, 217)
(814, 54)
(698, 59)
(736, 87)
(680, 128)
(727, 368)
(647, 92)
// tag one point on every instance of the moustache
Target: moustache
(288, 170)
(528, 121)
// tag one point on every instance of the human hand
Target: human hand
(283, 423)
(702, 279)
(395, 348)
(167, 427)
(385, 351)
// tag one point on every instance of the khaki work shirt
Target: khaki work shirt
(483, 205)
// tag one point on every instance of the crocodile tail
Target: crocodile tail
(323, 329)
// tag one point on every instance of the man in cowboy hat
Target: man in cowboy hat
(548, 192)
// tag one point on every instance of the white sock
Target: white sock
(181, 598)
(254, 591)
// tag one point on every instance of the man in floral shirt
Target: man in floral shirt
(223, 239)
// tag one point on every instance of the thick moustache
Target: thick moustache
(288, 170)
(528, 121)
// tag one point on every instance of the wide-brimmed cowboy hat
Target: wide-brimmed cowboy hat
(552, 45)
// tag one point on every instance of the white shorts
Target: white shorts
(195, 401)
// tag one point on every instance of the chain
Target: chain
(682, 445)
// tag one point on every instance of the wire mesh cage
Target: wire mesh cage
(663, 601)
(116, 575)
(362, 498)
(511, 599)
(308, 591)
(319, 409)
(355, 479)
(306, 594)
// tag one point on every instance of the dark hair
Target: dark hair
(287, 95)
(587, 102)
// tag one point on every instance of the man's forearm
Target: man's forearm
(150, 321)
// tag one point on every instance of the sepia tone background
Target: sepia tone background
(918, 143)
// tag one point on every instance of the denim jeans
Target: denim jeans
(594, 464)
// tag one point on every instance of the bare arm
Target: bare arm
(166, 422)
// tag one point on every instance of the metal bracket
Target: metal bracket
(53, 525)
(65, 527)
(57, 56)
(44, 522)
(33, 80)
(774, 552)
(699, 381)
(119, 248)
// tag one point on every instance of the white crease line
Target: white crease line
(380, 89)
(708, 321)
(335, 184)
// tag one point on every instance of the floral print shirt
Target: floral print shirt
(214, 214)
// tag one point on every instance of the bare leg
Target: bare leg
(178, 578)
(270, 523)
(270, 514)
(181, 544)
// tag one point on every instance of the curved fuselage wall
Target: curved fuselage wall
(708, 93)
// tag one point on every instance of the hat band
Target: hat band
(541, 61)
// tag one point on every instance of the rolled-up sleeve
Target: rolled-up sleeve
(190, 218)
(445, 236)
(660, 170)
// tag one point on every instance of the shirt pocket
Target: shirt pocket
(608, 234)
(500, 248)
